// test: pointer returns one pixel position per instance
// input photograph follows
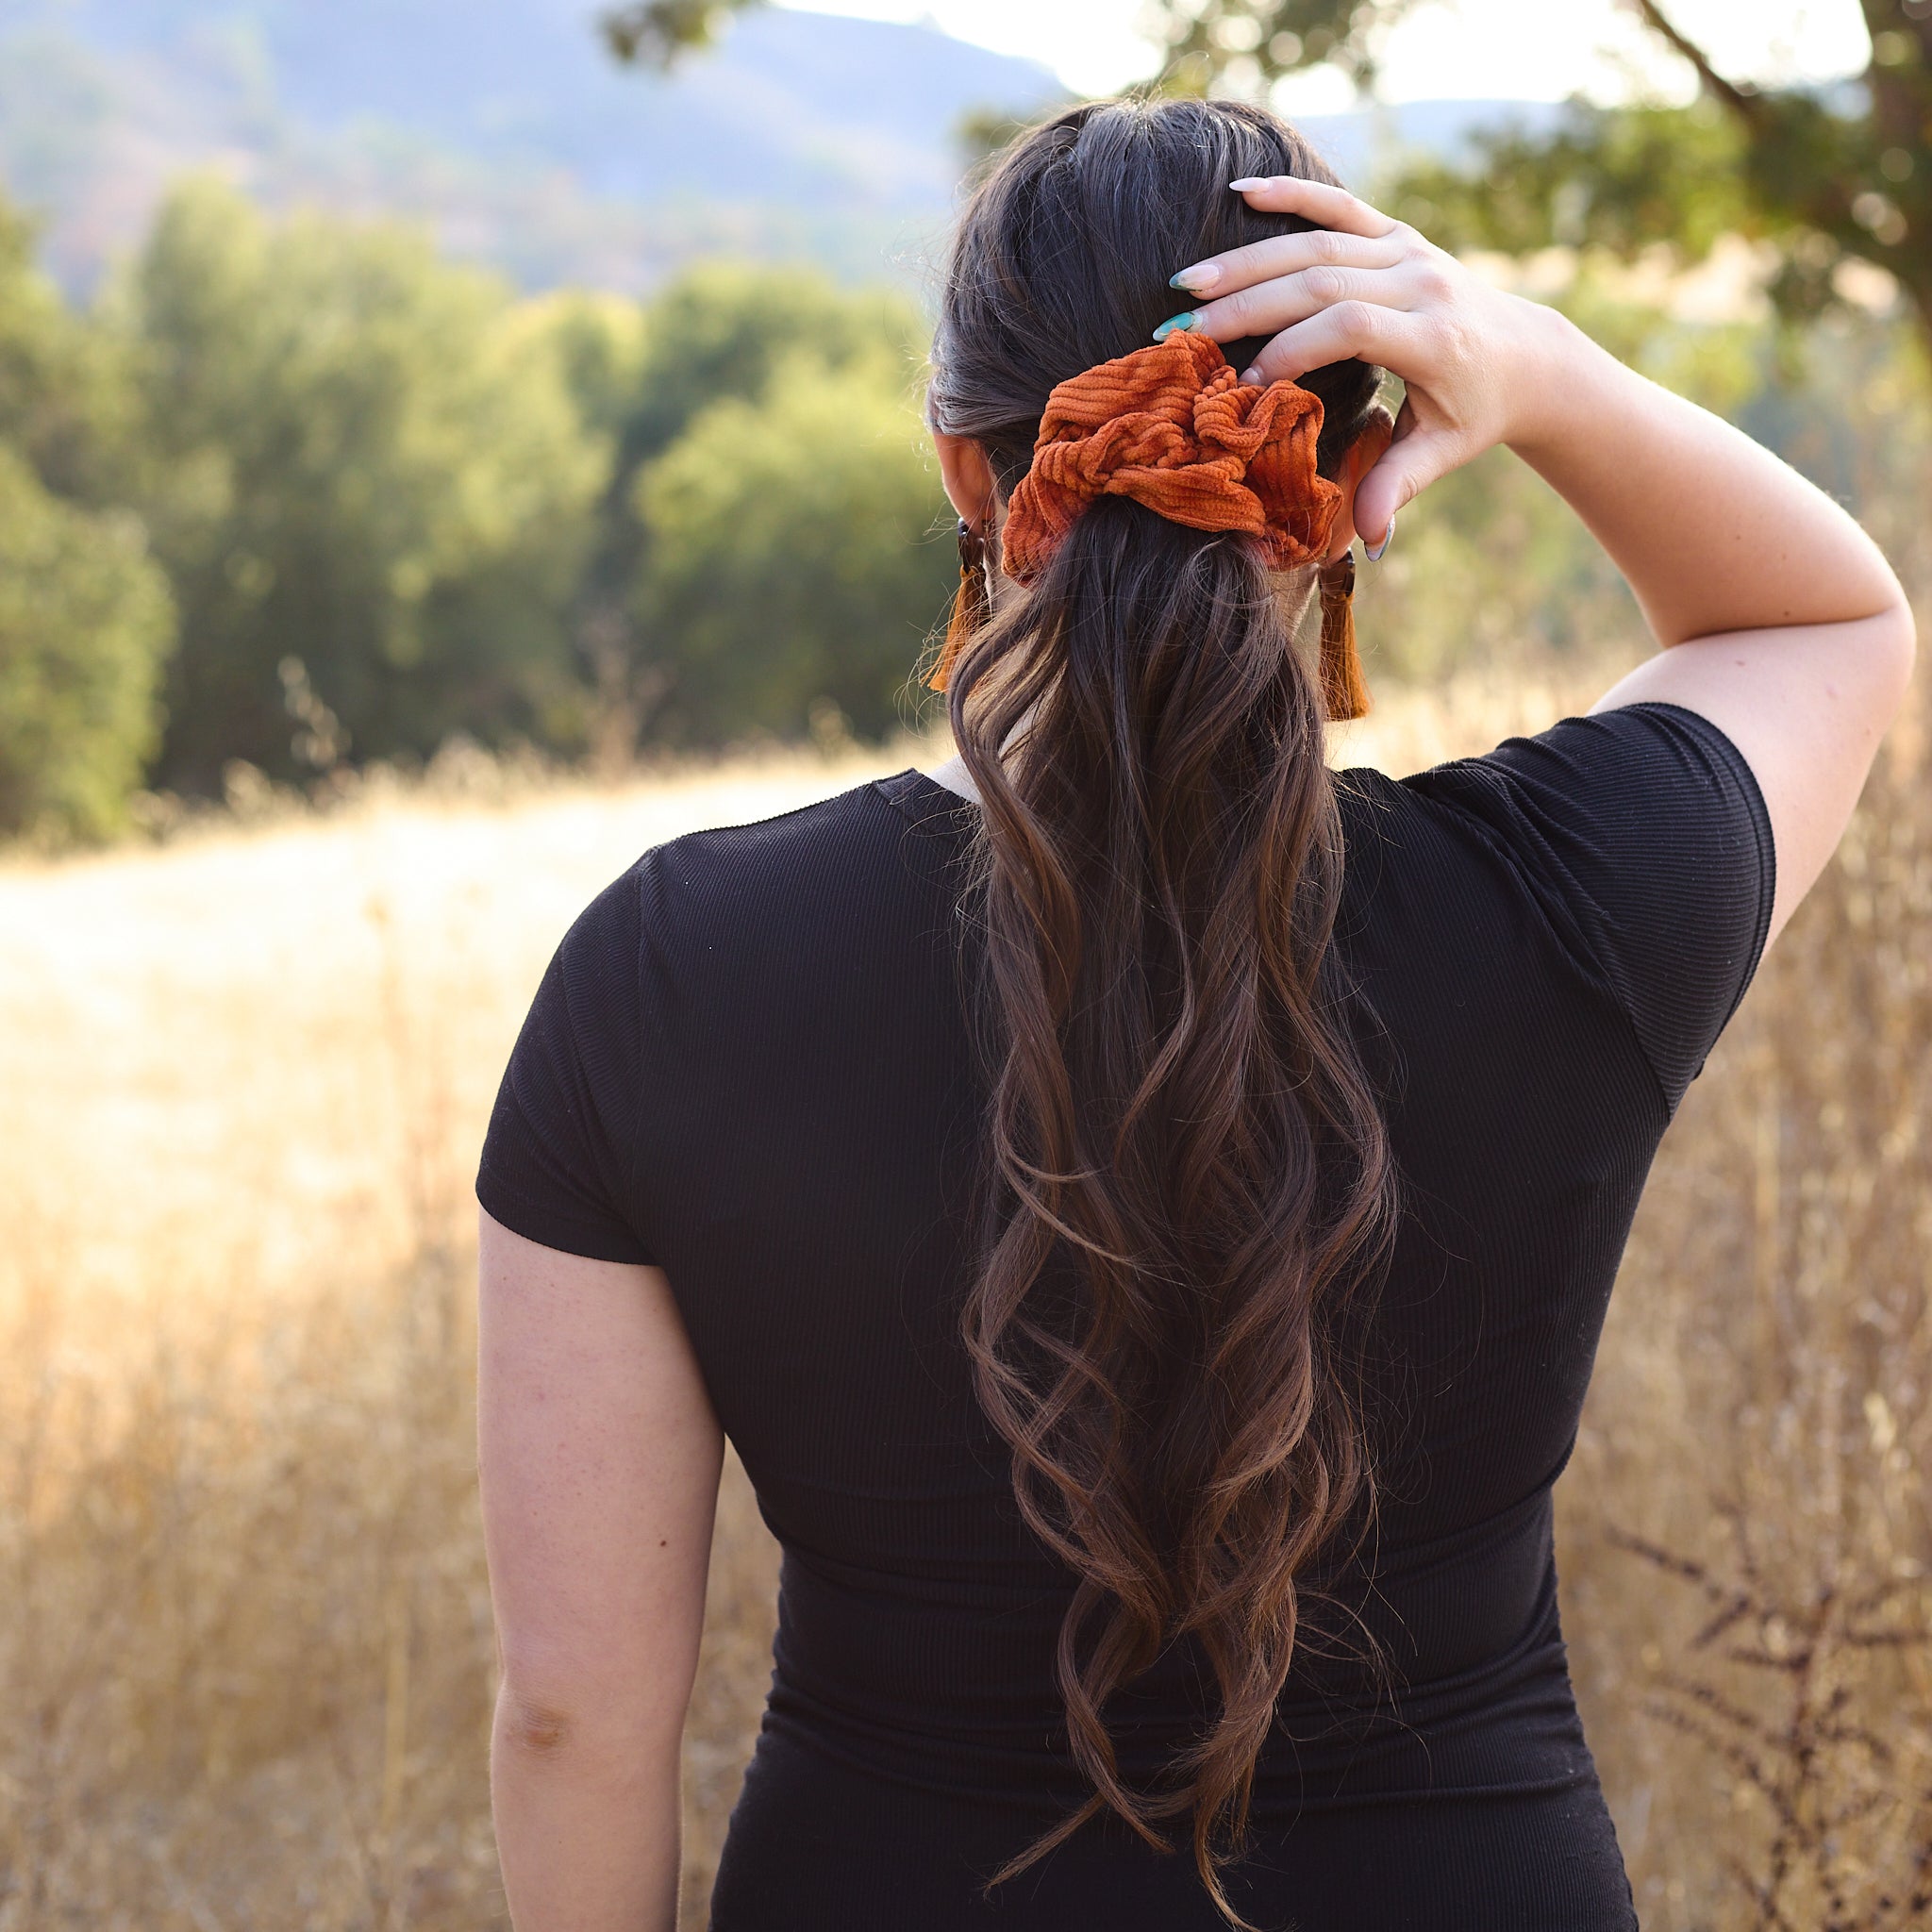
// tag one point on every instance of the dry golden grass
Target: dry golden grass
(246, 1656)
(1746, 1533)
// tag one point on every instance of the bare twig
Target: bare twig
(1745, 102)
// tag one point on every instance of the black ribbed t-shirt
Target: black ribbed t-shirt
(750, 1063)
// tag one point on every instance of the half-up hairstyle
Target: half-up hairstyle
(1191, 1174)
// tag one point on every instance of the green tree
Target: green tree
(716, 334)
(85, 616)
(64, 393)
(800, 552)
(85, 619)
(1826, 175)
(656, 32)
(356, 458)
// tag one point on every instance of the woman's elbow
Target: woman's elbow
(1904, 645)
(1876, 670)
(536, 1727)
(583, 1720)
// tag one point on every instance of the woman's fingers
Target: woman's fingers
(1284, 300)
(1361, 285)
(1286, 255)
(1370, 330)
(1412, 461)
(1326, 206)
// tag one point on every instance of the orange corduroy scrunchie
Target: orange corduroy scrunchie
(1173, 428)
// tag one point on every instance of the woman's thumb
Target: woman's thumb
(1409, 466)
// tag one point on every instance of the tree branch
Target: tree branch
(1828, 202)
(1745, 102)
(1883, 16)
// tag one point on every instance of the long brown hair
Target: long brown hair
(1191, 1174)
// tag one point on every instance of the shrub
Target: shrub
(356, 458)
(801, 551)
(84, 623)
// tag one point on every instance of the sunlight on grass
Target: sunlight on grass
(248, 1660)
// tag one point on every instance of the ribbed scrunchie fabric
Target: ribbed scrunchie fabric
(1172, 426)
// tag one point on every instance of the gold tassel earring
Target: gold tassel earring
(1343, 693)
(969, 605)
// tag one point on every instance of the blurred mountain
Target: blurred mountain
(503, 122)
(1359, 145)
(505, 125)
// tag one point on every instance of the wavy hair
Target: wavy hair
(1190, 1172)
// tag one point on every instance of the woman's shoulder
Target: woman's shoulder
(1607, 754)
(1634, 840)
(1593, 789)
(804, 861)
(712, 959)
(771, 915)
(855, 818)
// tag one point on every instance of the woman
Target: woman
(1143, 1206)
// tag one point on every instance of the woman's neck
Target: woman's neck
(954, 776)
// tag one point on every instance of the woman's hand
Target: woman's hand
(1474, 360)
(1789, 631)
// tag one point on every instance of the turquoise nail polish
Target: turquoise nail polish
(1184, 320)
(1175, 282)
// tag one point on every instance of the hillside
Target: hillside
(504, 125)
(503, 122)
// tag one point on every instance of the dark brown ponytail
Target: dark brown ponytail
(1191, 1170)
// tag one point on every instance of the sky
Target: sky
(1446, 49)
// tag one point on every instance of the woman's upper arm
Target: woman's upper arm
(599, 1456)
(1807, 707)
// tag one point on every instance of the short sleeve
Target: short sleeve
(558, 1160)
(1643, 835)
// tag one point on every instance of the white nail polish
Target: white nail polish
(1377, 555)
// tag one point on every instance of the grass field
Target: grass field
(246, 1654)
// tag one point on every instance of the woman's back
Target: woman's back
(1147, 1228)
(753, 1065)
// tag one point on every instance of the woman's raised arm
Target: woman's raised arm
(1780, 619)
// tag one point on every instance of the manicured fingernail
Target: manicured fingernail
(1377, 554)
(1196, 280)
(1246, 182)
(1253, 377)
(1184, 320)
